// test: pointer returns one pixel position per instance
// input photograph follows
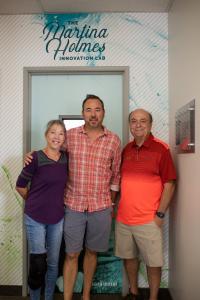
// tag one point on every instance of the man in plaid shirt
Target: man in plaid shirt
(94, 165)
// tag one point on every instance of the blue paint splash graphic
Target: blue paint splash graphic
(64, 18)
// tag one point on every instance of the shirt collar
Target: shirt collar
(82, 130)
(146, 143)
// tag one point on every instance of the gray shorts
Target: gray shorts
(91, 229)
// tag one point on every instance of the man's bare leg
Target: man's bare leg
(154, 278)
(69, 274)
(132, 267)
(89, 267)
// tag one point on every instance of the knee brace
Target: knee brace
(37, 270)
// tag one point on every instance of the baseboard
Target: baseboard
(164, 293)
(16, 290)
(10, 290)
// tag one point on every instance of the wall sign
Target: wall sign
(185, 128)
(65, 38)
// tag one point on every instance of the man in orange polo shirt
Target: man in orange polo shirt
(147, 186)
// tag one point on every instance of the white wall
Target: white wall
(139, 41)
(184, 85)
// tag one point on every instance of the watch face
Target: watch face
(160, 214)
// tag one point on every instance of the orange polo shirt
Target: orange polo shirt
(144, 171)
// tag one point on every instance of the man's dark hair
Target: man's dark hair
(90, 96)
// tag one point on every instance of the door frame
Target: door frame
(28, 72)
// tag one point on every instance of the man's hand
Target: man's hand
(158, 221)
(28, 158)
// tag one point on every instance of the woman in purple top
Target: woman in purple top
(42, 184)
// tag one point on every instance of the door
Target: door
(54, 93)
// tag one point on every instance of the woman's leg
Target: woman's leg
(36, 235)
(53, 238)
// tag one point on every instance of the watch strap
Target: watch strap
(160, 214)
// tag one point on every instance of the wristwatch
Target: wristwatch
(160, 214)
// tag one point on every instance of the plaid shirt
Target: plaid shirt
(94, 169)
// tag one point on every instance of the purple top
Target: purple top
(47, 179)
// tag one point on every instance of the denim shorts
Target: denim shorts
(91, 229)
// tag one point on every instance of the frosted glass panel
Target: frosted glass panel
(54, 95)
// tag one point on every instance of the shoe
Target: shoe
(131, 296)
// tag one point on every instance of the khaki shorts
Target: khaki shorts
(144, 240)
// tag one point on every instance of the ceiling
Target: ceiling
(73, 6)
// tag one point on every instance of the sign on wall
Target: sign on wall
(69, 37)
(185, 128)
